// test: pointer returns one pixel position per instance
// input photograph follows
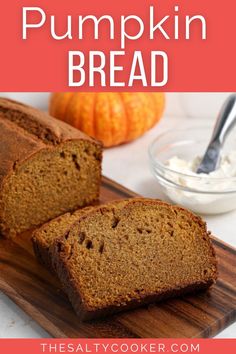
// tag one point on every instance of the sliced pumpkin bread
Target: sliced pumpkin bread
(122, 255)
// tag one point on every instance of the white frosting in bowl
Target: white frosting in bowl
(195, 186)
(207, 182)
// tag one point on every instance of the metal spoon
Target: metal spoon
(225, 122)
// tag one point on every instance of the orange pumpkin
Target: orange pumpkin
(111, 117)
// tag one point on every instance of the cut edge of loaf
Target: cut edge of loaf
(27, 132)
(86, 312)
(77, 168)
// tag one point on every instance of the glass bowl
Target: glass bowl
(202, 194)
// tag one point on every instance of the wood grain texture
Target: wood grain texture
(39, 294)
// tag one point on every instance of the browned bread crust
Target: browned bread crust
(98, 286)
(24, 133)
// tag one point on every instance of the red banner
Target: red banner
(167, 45)
(117, 346)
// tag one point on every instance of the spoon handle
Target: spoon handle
(225, 122)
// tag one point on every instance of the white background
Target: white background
(128, 165)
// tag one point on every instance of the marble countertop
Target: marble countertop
(128, 165)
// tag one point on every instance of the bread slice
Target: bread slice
(44, 237)
(47, 168)
(133, 252)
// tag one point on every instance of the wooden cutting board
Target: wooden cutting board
(38, 293)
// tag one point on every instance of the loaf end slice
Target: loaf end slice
(124, 255)
(44, 236)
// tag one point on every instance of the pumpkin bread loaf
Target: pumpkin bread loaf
(120, 256)
(47, 168)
